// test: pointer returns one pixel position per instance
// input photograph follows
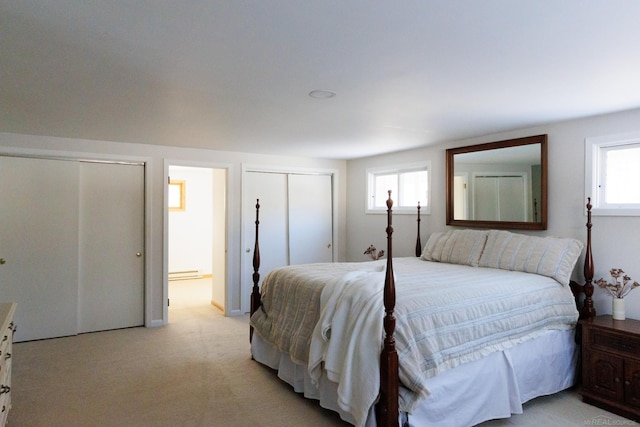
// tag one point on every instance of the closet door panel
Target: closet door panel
(310, 219)
(39, 243)
(295, 222)
(271, 189)
(512, 199)
(485, 199)
(111, 241)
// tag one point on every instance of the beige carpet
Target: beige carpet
(196, 371)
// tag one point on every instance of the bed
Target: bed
(484, 317)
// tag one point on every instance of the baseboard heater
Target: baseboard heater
(185, 275)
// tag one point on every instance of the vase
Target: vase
(618, 309)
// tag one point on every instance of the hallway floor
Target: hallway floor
(191, 297)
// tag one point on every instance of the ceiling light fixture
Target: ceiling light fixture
(322, 94)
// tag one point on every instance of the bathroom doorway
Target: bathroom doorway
(196, 240)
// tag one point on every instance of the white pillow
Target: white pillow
(464, 247)
(548, 256)
(434, 245)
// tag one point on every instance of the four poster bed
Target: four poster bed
(484, 321)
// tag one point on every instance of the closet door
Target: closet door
(512, 199)
(310, 219)
(296, 222)
(271, 189)
(499, 198)
(111, 241)
(39, 245)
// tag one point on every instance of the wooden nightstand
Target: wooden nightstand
(611, 365)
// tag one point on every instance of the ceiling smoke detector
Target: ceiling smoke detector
(322, 94)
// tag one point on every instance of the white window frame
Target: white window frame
(371, 173)
(595, 149)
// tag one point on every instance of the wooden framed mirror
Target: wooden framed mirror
(500, 184)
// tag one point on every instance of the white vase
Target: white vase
(618, 309)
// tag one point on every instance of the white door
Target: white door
(296, 223)
(310, 219)
(499, 198)
(271, 189)
(513, 199)
(39, 245)
(111, 267)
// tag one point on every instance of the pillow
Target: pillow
(548, 256)
(434, 245)
(463, 247)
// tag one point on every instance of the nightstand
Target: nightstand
(611, 365)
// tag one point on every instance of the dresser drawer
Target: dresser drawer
(606, 340)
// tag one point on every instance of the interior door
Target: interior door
(111, 241)
(501, 198)
(39, 245)
(271, 189)
(310, 219)
(512, 199)
(296, 222)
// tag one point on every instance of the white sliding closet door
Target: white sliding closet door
(111, 288)
(39, 245)
(296, 221)
(310, 219)
(500, 198)
(70, 233)
(271, 189)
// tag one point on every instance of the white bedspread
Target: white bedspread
(446, 315)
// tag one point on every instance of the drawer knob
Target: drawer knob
(8, 356)
(617, 380)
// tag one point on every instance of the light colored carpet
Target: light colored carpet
(196, 371)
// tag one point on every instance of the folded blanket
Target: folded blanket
(353, 304)
(291, 303)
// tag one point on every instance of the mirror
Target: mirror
(499, 184)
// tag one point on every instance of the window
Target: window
(409, 184)
(612, 167)
(176, 196)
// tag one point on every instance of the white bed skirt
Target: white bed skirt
(493, 387)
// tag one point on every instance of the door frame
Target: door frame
(229, 200)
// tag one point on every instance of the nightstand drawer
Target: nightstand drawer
(606, 340)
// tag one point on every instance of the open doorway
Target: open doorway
(196, 241)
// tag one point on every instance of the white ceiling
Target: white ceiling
(235, 75)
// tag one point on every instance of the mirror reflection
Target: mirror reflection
(498, 185)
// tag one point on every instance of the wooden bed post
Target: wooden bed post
(255, 294)
(387, 407)
(588, 310)
(418, 243)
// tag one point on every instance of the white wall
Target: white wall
(616, 240)
(156, 158)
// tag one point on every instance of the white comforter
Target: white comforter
(446, 315)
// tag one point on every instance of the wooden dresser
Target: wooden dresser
(611, 365)
(7, 311)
